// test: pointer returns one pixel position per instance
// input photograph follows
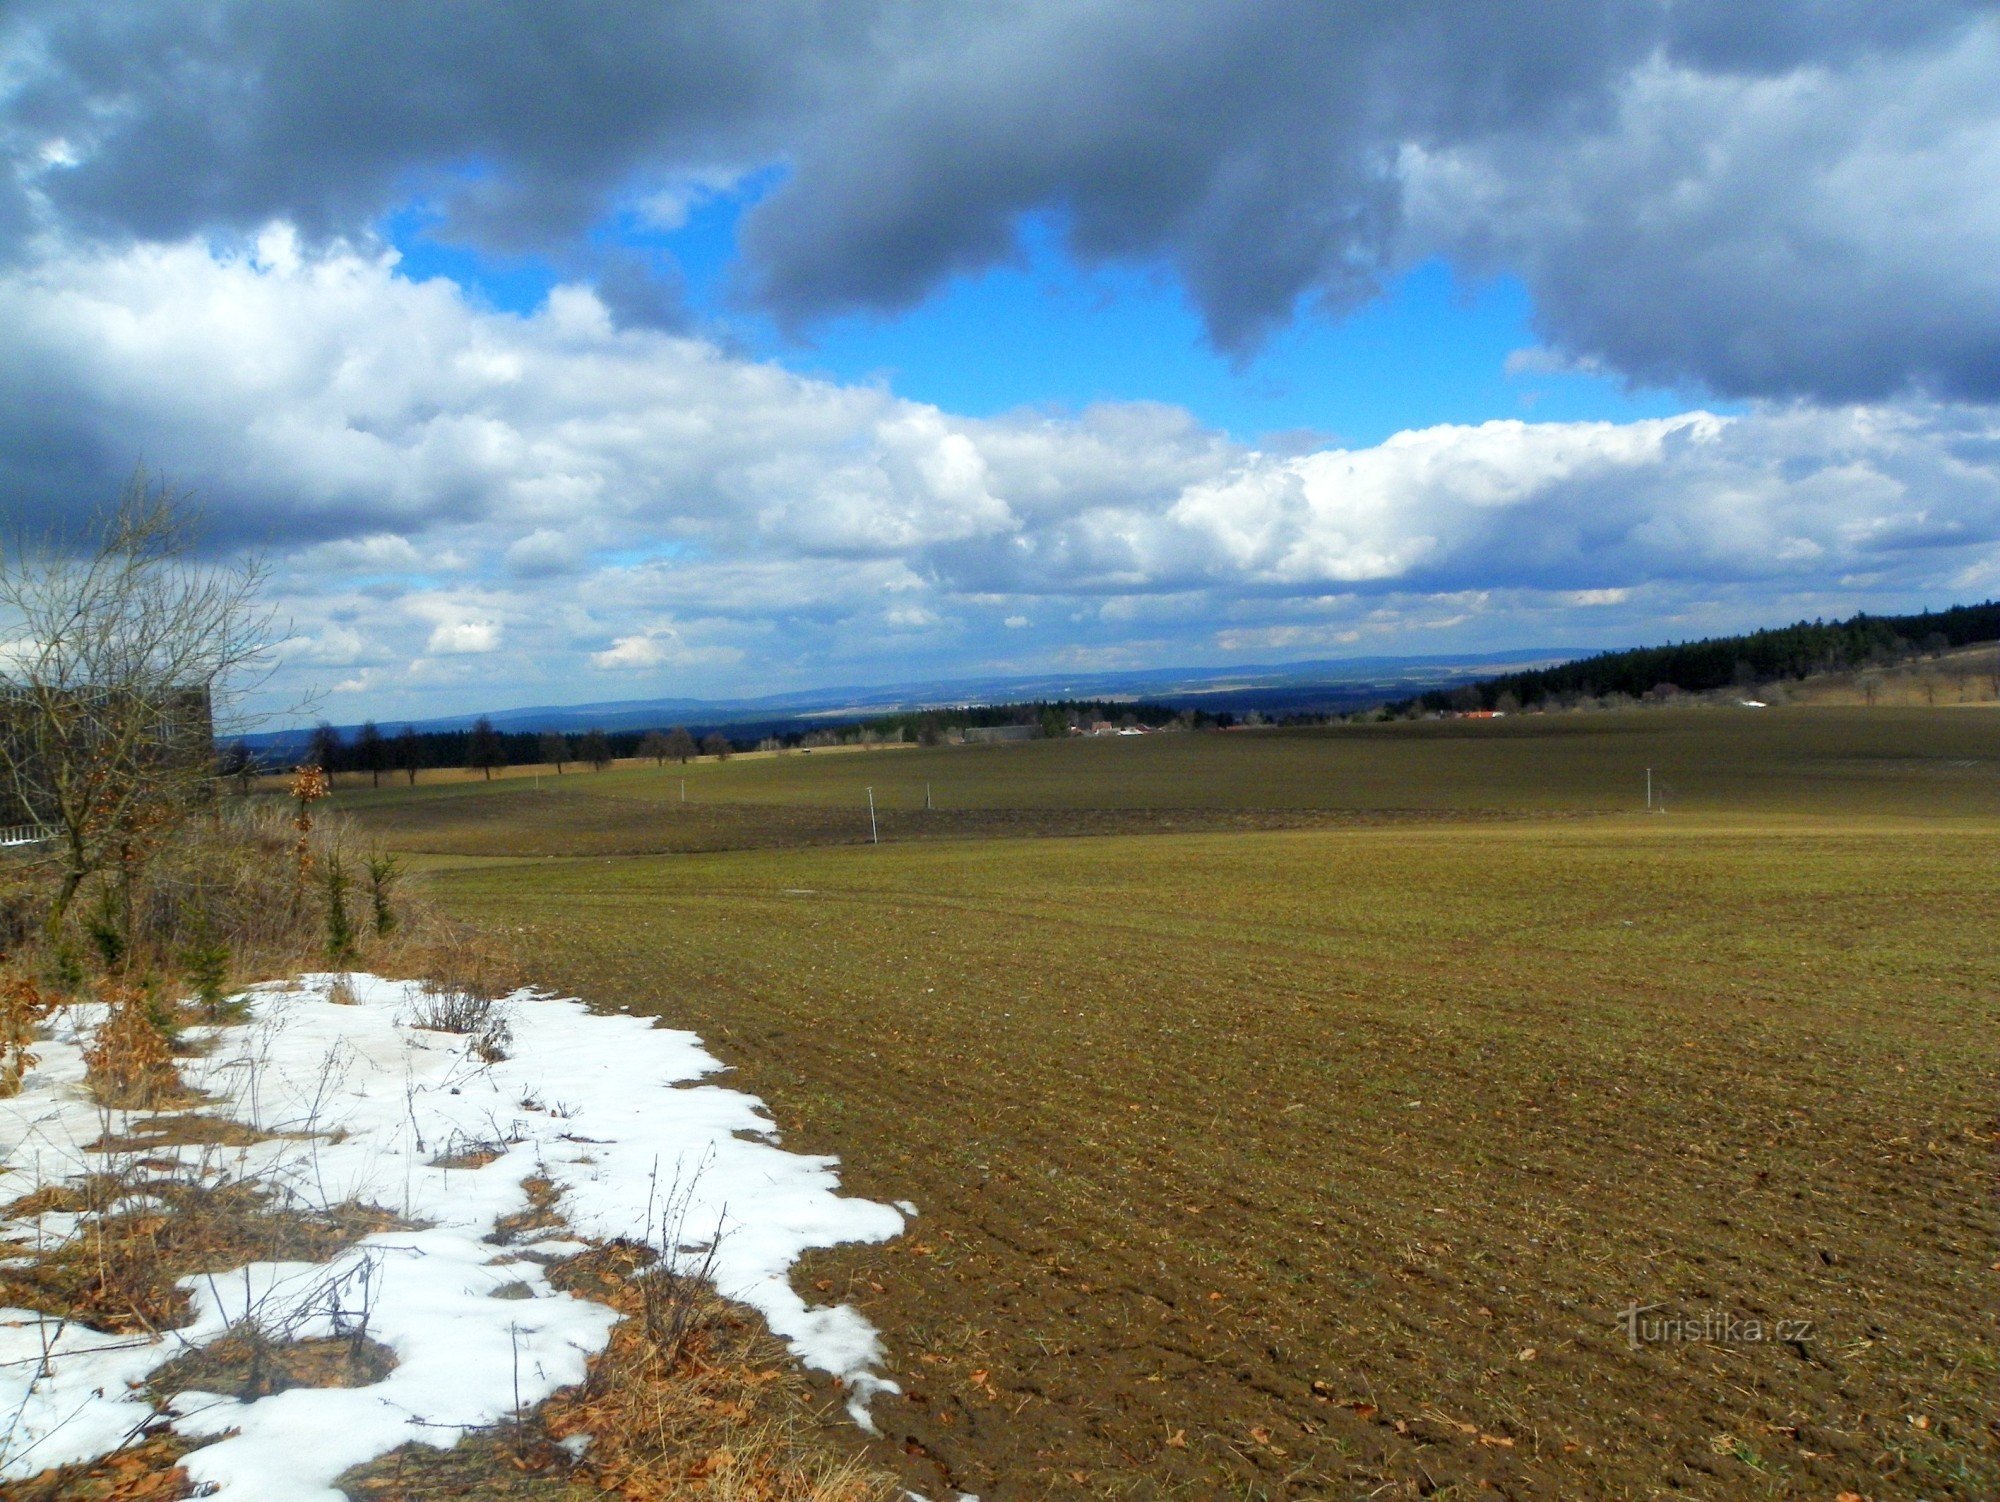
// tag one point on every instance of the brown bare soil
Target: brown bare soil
(1324, 1163)
(585, 824)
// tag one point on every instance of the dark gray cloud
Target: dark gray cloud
(1827, 234)
(1787, 198)
(1254, 147)
(1732, 35)
(523, 116)
(639, 293)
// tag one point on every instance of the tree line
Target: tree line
(1783, 652)
(1053, 718)
(484, 748)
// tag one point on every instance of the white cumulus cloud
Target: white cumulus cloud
(439, 482)
(463, 638)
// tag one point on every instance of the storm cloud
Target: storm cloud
(1783, 200)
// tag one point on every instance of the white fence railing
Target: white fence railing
(26, 834)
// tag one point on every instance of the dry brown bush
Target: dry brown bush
(129, 1064)
(24, 1006)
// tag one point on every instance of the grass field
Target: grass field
(1306, 1134)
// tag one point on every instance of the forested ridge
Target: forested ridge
(1779, 653)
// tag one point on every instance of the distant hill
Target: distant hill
(1324, 686)
(1808, 649)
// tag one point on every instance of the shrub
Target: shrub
(309, 785)
(205, 962)
(21, 910)
(23, 1005)
(232, 882)
(383, 873)
(128, 1063)
(450, 1007)
(106, 933)
(339, 926)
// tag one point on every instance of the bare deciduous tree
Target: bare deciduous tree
(484, 750)
(371, 751)
(324, 748)
(409, 753)
(114, 660)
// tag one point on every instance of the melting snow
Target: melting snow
(611, 1108)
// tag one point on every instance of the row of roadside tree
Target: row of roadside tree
(483, 748)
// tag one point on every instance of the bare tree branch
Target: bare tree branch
(114, 662)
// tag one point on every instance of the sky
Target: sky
(554, 354)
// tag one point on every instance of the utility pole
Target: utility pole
(874, 834)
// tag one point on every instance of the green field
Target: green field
(1305, 1133)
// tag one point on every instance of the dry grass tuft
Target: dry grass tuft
(454, 959)
(146, 1471)
(540, 1215)
(469, 1154)
(50, 1199)
(140, 1235)
(462, 986)
(186, 1129)
(250, 1363)
(443, 1007)
(693, 1398)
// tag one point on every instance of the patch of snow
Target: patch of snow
(638, 1145)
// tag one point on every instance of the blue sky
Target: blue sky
(1046, 331)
